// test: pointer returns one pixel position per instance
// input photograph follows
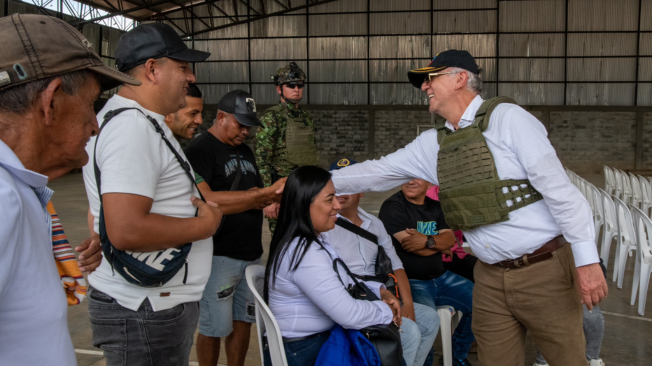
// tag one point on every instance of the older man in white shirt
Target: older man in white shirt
(528, 276)
(49, 79)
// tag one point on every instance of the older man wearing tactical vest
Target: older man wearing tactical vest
(502, 183)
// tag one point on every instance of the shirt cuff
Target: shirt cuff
(387, 316)
(375, 287)
(585, 253)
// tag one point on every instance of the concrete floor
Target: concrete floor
(627, 339)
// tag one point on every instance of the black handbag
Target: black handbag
(385, 337)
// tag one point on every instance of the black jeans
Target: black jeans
(143, 337)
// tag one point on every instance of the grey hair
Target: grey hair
(474, 82)
(21, 98)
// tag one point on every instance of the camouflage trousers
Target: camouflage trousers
(272, 226)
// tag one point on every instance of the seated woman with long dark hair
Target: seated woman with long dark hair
(301, 287)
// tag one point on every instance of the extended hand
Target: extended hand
(395, 305)
(593, 286)
(415, 241)
(91, 254)
(210, 212)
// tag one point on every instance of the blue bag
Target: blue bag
(347, 347)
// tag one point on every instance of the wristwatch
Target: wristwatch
(430, 242)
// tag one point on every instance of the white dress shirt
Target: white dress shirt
(358, 253)
(33, 305)
(521, 150)
(312, 299)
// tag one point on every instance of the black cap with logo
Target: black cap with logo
(241, 105)
(450, 58)
(342, 163)
(153, 40)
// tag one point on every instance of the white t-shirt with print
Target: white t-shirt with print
(134, 159)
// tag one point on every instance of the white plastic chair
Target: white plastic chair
(609, 180)
(255, 275)
(449, 318)
(618, 191)
(637, 194)
(610, 227)
(627, 188)
(626, 240)
(646, 195)
(643, 266)
(598, 212)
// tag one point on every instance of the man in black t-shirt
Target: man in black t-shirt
(232, 180)
(419, 233)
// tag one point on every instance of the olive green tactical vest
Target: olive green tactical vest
(471, 194)
(300, 146)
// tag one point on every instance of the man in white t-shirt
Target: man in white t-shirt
(148, 204)
(46, 118)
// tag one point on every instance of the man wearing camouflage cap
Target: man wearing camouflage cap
(286, 139)
(50, 78)
(503, 184)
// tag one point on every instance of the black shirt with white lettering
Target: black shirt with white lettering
(398, 214)
(240, 236)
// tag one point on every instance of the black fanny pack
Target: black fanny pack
(145, 269)
(385, 337)
(383, 269)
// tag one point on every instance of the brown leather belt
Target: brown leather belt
(539, 255)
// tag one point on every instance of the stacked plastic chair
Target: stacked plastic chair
(637, 194)
(646, 195)
(610, 226)
(609, 180)
(626, 240)
(643, 266)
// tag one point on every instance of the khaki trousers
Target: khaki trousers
(541, 298)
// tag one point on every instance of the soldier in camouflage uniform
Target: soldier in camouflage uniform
(286, 139)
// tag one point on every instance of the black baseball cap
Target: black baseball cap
(153, 40)
(342, 163)
(450, 58)
(241, 105)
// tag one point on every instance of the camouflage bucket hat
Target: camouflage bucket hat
(288, 74)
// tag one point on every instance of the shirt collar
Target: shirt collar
(469, 114)
(364, 216)
(10, 162)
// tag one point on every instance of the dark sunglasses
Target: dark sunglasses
(295, 85)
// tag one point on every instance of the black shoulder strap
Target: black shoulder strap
(357, 230)
(351, 275)
(107, 117)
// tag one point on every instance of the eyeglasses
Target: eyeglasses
(295, 85)
(433, 75)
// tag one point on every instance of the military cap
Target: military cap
(289, 73)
